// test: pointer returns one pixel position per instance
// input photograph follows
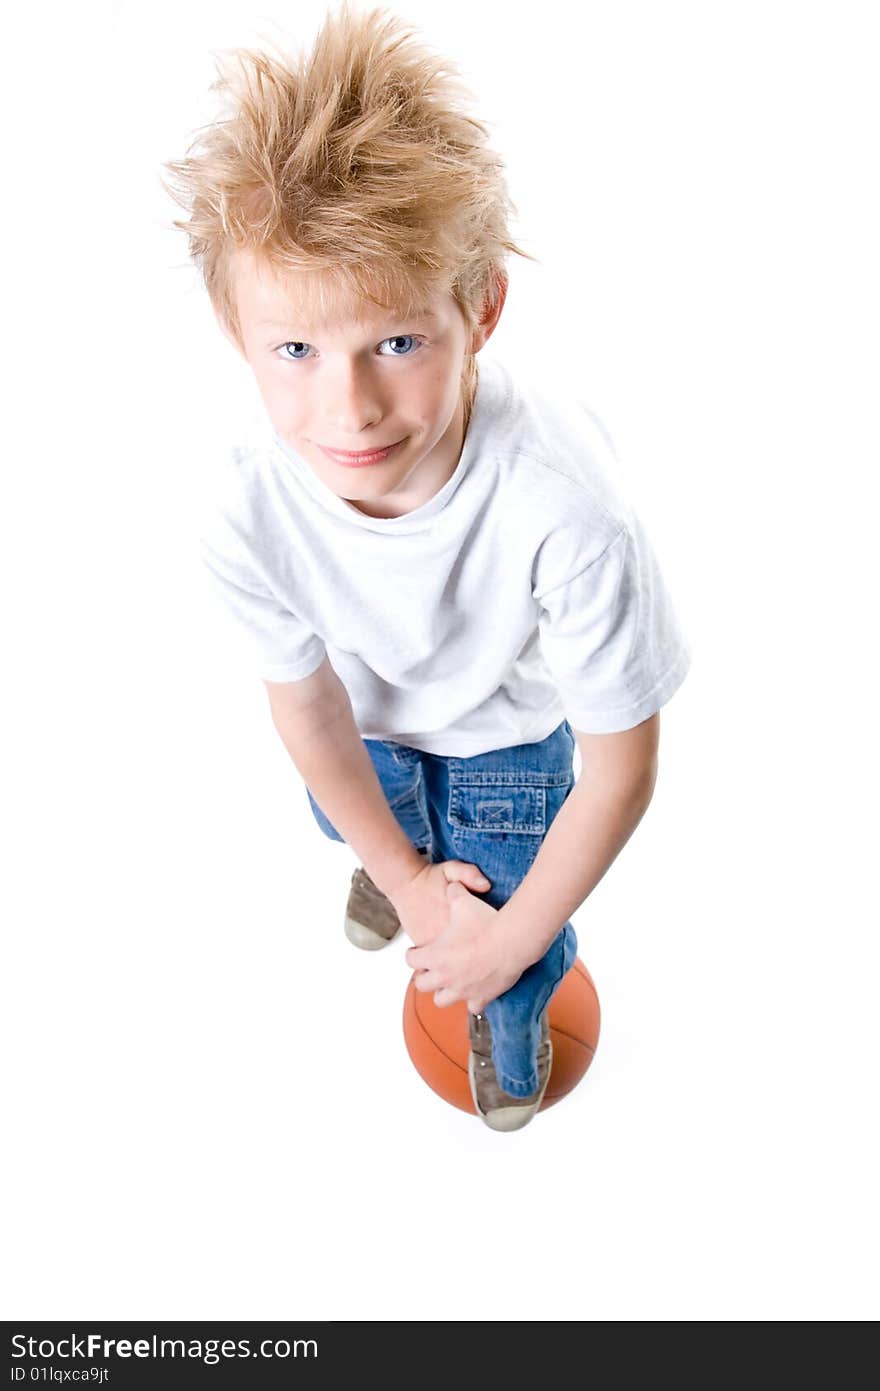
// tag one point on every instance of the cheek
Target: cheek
(437, 397)
(284, 406)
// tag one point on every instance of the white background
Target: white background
(211, 1110)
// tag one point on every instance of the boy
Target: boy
(434, 563)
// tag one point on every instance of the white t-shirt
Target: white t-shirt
(524, 592)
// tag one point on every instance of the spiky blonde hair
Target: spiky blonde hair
(356, 164)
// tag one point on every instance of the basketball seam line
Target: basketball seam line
(432, 1040)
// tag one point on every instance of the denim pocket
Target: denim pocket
(506, 806)
(499, 818)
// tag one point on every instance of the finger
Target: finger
(477, 879)
(462, 872)
(415, 957)
(445, 997)
(423, 981)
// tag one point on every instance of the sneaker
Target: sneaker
(370, 920)
(496, 1108)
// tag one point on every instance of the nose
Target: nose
(352, 400)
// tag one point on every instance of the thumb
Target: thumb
(470, 875)
(456, 890)
(476, 879)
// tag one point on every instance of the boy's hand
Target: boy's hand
(467, 960)
(421, 903)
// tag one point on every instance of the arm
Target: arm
(486, 950)
(595, 821)
(315, 722)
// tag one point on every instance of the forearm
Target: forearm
(330, 755)
(586, 836)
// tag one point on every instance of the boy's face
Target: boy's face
(358, 386)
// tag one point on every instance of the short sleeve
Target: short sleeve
(610, 637)
(281, 646)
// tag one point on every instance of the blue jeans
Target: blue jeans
(493, 810)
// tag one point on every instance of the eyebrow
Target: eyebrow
(283, 324)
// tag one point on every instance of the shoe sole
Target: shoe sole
(507, 1118)
(365, 937)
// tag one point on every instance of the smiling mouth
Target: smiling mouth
(357, 458)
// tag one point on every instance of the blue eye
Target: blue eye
(406, 341)
(401, 338)
(285, 346)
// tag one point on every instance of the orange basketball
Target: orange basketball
(437, 1039)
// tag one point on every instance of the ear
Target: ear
(492, 307)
